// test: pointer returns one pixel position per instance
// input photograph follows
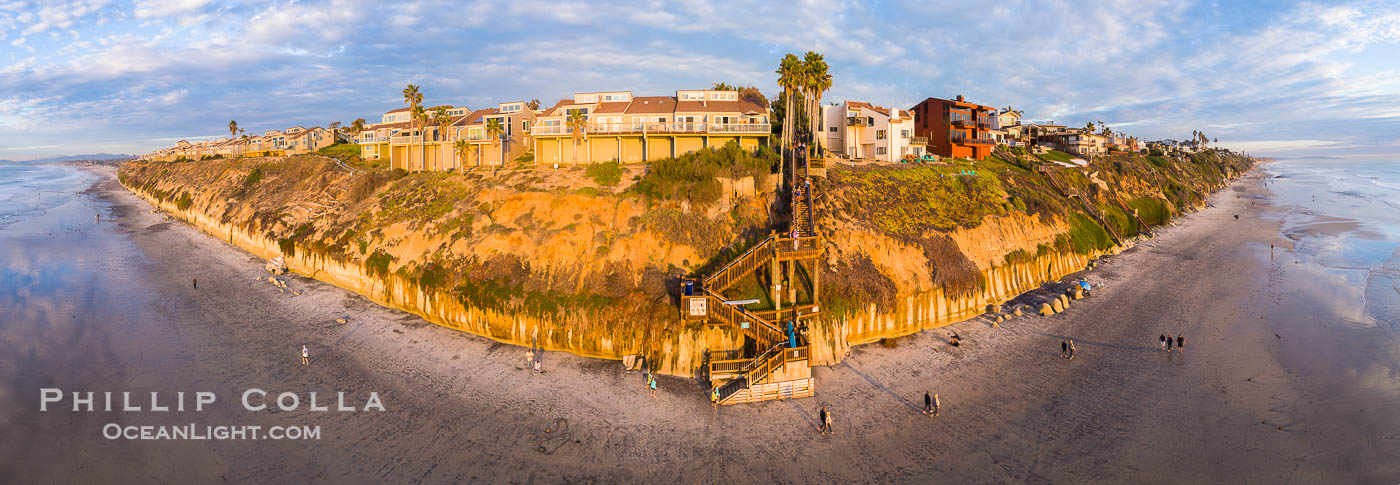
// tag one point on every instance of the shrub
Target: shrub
(253, 177)
(184, 202)
(378, 263)
(691, 177)
(1086, 235)
(1152, 211)
(606, 174)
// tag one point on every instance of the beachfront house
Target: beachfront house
(861, 131)
(955, 128)
(618, 126)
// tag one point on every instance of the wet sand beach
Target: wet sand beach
(1285, 377)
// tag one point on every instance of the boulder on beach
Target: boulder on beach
(277, 265)
(1046, 310)
(1076, 292)
(1000, 319)
(993, 308)
(1017, 312)
(1057, 305)
(342, 320)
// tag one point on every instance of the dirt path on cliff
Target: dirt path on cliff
(1239, 404)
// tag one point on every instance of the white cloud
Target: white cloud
(163, 8)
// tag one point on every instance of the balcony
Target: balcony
(858, 121)
(642, 128)
(975, 141)
(918, 140)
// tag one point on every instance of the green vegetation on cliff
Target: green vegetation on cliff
(600, 251)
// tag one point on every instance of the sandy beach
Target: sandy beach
(1282, 379)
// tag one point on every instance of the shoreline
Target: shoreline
(463, 408)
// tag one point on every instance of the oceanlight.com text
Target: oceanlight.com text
(114, 431)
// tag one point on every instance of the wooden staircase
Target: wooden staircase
(1075, 195)
(780, 370)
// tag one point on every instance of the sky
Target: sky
(1271, 78)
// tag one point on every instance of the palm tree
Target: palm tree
(721, 86)
(789, 73)
(576, 124)
(443, 120)
(494, 130)
(818, 81)
(1089, 128)
(335, 130)
(419, 115)
(232, 128)
(412, 97)
(534, 105)
(463, 148)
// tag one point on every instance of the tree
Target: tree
(357, 127)
(818, 81)
(232, 128)
(494, 130)
(335, 130)
(413, 98)
(789, 76)
(721, 86)
(753, 95)
(443, 121)
(419, 115)
(1089, 127)
(463, 148)
(576, 122)
(534, 105)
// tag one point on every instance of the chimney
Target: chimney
(960, 98)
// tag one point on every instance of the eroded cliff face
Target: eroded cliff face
(555, 259)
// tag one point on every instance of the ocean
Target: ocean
(1344, 215)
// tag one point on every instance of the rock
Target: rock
(1046, 310)
(1057, 305)
(1017, 312)
(342, 320)
(277, 265)
(1076, 292)
(993, 308)
(282, 290)
(1000, 319)
(994, 325)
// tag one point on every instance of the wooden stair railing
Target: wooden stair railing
(757, 256)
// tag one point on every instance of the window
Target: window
(879, 150)
(879, 134)
(833, 129)
(904, 133)
(724, 96)
(608, 98)
(570, 111)
(692, 96)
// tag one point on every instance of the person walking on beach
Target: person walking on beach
(651, 382)
(305, 356)
(537, 367)
(1162, 339)
(936, 404)
(714, 397)
(825, 418)
(529, 358)
(928, 402)
(1180, 343)
(1071, 349)
(1064, 349)
(194, 281)
(1169, 345)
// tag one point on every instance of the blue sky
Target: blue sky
(82, 76)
